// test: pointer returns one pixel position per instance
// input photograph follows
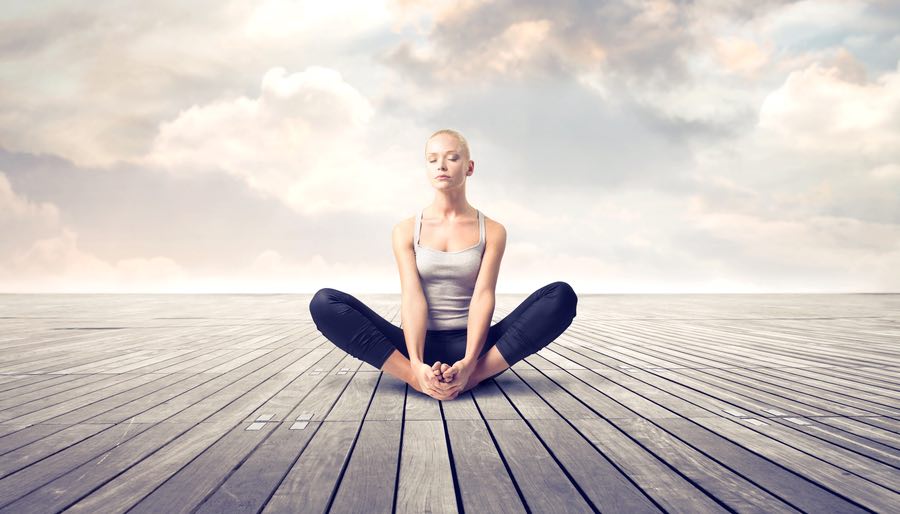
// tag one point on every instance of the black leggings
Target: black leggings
(364, 334)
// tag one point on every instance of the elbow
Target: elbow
(483, 295)
(413, 298)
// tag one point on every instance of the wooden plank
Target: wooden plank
(49, 408)
(484, 482)
(187, 487)
(249, 487)
(389, 399)
(492, 403)
(425, 483)
(137, 394)
(869, 468)
(352, 404)
(780, 481)
(680, 386)
(140, 479)
(18, 436)
(369, 480)
(772, 477)
(544, 485)
(255, 480)
(862, 491)
(718, 481)
(30, 453)
(310, 483)
(420, 406)
(57, 482)
(193, 483)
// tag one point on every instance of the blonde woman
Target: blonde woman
(448, 257)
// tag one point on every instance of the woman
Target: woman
(448, 292)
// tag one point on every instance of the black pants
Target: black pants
(364, 334)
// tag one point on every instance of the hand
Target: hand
(456, 377)
(427, 379)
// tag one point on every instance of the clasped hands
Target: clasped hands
(443, 381)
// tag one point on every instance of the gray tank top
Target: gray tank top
(448, 279)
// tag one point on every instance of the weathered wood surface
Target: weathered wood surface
(648, 403)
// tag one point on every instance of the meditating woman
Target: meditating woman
(446, 343)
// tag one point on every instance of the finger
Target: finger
(451, 388)
(437, 395)
(444, 386)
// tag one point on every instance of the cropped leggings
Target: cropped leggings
(361, 332)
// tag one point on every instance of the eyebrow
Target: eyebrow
(429, 154)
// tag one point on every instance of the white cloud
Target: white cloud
(734, 146)
(818, 109)
(308, 140)
(90, 81)
(277, 19)
(40, 254)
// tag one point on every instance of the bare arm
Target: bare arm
(481, 308)
(413, 307)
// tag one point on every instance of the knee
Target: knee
(565, 298)
(323, 302)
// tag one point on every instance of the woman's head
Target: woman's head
(447, 154)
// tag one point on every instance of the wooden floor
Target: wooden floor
(648, 403)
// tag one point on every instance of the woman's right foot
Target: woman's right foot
(436, 369)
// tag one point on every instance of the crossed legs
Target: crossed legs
(491, 363)
(358, 330)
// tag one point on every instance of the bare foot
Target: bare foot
(449, 373)
(436, 369)
(470, 385)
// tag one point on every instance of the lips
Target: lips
(443, 176)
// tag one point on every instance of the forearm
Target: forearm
(414, 315)
(481, 309)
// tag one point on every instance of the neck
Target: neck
(450, 205)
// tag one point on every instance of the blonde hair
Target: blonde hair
(459, 137)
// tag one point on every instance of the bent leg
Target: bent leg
(354, 327)
(537, 321)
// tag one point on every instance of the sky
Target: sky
(627, 147)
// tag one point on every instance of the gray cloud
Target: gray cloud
(208, 222)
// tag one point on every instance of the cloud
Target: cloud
(814, 253)
(307, 140)
(115, 72)
(822, 109)
(632, 146)
(16, 209)
(282, 19)
(40, 254)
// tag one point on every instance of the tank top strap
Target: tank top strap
(418, 227)
(480, 227)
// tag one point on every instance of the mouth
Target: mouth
(442, 176)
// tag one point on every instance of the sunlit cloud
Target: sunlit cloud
(650, 146)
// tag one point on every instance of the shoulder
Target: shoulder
(403, 229)
(405, 224)
(494, 231)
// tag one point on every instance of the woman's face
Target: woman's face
(444, 158)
